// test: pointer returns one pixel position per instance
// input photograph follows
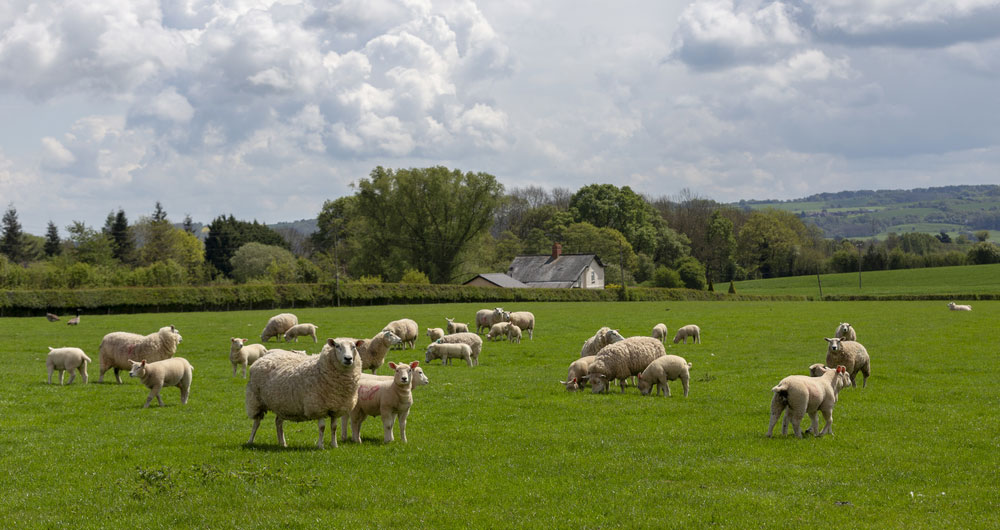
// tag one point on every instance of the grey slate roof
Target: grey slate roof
(561, 272)
(499, 279)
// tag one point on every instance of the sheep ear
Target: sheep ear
(828, 340)
(392, 366)
(359, 343)
(640, 376)
(414, 364)
(574, 380)
(331, 342)
(143, 362)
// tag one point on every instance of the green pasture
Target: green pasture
(503, 445)
(969, 279)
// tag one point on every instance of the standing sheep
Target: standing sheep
(435, 333)
(498, 331)
(303, 388)
(67, 360)
(957, 307)
(278, 325)
(602, 338)
(301, 330)
(801, 395)
(579, 369)
(243, 354)
(456, 327)
(660, 332)
(846, 332)
(487, 318)
(661, 371)
(474, 341)
(384, 397)
(372, 351)
(447, 352)
(119, 349)
(622, 360)
(524, 320)
(852, 355)
(689, 330)
(514, 334)
(176, 371)
(406, 329)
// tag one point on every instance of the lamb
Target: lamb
(52, 317)
(662, 370)
(243, 354)
(418, 378)
(956, 307)
(456, 327)
(372, 351)
(176, 371)
(523, 320)
(498, 331)
(119, 348)
(67, 360)
(435, 333)
(852, 355)
(689, 330)
(514, 333)
(846, 332)
(660, 332)
(578, 373)
(602, 338)
(301, 330)
(389, 398)
(448, 351)
(473, 340)
(622, 360)
(487, 318)
(802, 394)
(406, 330)
(278, 325)
(303, 388)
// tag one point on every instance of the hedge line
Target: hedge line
(241, 297)
(907, 297)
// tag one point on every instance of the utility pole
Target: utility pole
(859, 265)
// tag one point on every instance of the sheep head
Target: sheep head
(645, 385)
(138, 369)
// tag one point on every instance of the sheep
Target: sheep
(119, 348)
(447, 351)
(67, 360)
(176, 371)
(498, 331)
(523, 320)
(514, 333)
(435, 333)
(406, 330)
(578, 373)
(852, 355)
(52, 317)
(372, 351)
(243, 354)
(303, 388)
(301, 330)
(660, 332)
(802, 394)
(846, 332)
(474, 341)
(661, 371)
(689, 330)
(956, 307)
(487, 318)
(622, 360)
(278, 325)
(602, 338)
(389, 398)
(418, 378)
(456, 327)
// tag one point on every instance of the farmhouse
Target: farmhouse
(557, 270)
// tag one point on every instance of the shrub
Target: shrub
(256, 260)
(692, 273)
(413, 276)
(370, 280)
(984, 253)
(669, 278)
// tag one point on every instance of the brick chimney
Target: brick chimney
(556, 250)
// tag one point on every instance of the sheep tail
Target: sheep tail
(781, 389)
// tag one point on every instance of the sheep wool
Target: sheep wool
(689, 330)
(959, 307)
(373, 350)
(487, 318)
(389, 398)
(579, 369)
(278, 325)
(661, 371)
(243, 354)
(406, 329)
(514, 334)
(447, 352)
(474, 341)
(660, 332)
(622, 360)
(301, 330)
(524, 320)
(846, 332)
(456, 327)
(801, 395)
(176, 371)
(119, 349)
(435, 333)
(602, 338)
(852, 355)
(498, 331)
(67, 360)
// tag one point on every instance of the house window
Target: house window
(593, 277)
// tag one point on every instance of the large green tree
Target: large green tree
(12, 242)
(53, 245)
(721, 244)
(227, 234)
(606, 205)
(117, 229)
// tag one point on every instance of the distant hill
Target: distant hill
(302, 226)
(865, 213)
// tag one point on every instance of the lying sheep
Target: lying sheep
(514, 334)
(602, 338)
(372, 351)
(845, 332)
(852, 355)
(662, 370)
(802, 395)
(305, 387)
(387, 398)
(579, 369)
(175, 371)
(498, 331)
(622, 360)
(406, 330)
(487, 318)
(447, 352)
(67, 360)
(119, 349)
(955, 307)
(278, 325)
(660, 332)
(435, 333)
(474, 341)
(689, 330)
(523, 320)
(301, 330)
(456, 327)
(243, 354)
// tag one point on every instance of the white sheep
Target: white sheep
(522, 319)
(176, 371)
(406, 329)
(456, 327)
(474, 341)
(278, 325)
(579, 369)
(660, 332)
(435, 333)
(957, 307)
(418, 378)
(689, 330)
(514, 334)
(389, 398)
(661, 371)
(372, 351)
(852, 355)
(447, 352)
(305, 387)
(301, 330)
(487, 318)
(846, 332)
(67, 360)
(602, 338)
(498, 331)
(243, 354)
(622, 360)
(119, 349)
(801, 395)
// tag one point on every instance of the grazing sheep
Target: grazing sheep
(852, 355)
(176, 371)
(447, 352)
(384, 397)
(456, 327)
(474, 341)
(119, 349)
(52, 317)
(435, 333)
(660, 332)
(372, 351)
(622, 360)
(523, 320)
(579, 369)
(303, 388)
(662, 370)
(498, 331)
(301, 330)
(846, 332)
(406, 330)
(514, 334)
(602, 338)
(689, 330)
(956, 307)
(67, 360)
(278, 325)
(801, 395)
(243, 354)
(487, 318)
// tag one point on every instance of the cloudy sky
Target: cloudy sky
(264, 109)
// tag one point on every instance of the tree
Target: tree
(721, 245)
(53, 245)
(607, 243)
(666, 277)
(767, 243)
(606, 205)
(188, 224)
(692, 273)
(983, 253)
(90, 246)
(982, 235)
(116, 228)
(227, 235)
(159, 214)
(255, 261)
(12, 242)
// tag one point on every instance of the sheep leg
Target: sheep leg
(622, 383)
(50, 375)
(685, 381)
(83, 373)
(281, 432)
(253, 430)
(356, 420)
(322, 427)
(245, 368)
(797, 423)
(777, 406)
(118, 376)
(155, 391)
(468, 360)
(72, 376)
(333, 431)
(185, 391)
(814, 424)
(666, 387)
(234, 369)
(344, 431)
(828, 428)
(402, 424)
(387, 421)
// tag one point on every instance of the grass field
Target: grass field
(971, 279)
(503, 445)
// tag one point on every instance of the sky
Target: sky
(265, 109)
